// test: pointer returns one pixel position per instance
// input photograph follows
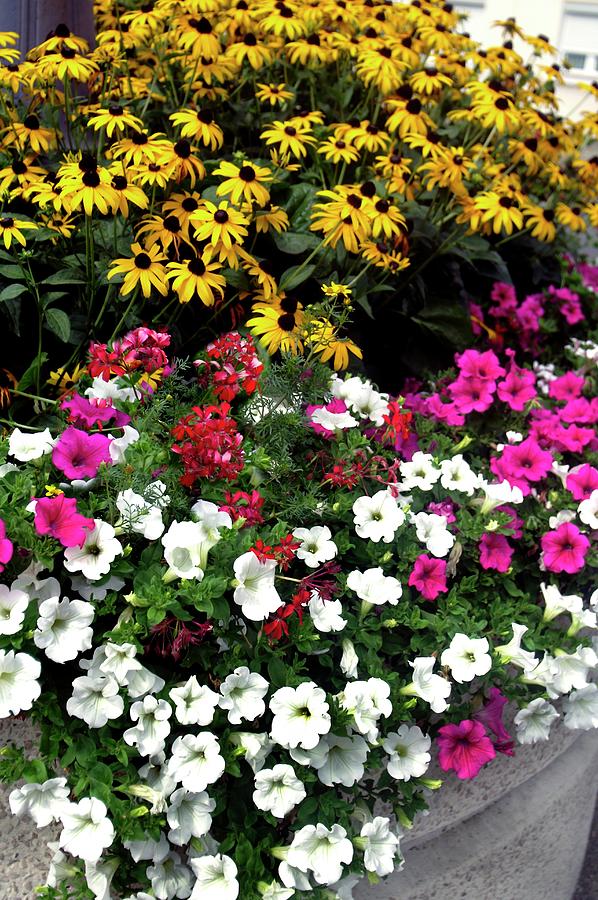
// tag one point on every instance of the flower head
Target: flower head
(465, 748)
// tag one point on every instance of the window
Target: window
(579, 39)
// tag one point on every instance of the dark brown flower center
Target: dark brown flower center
(143, 261)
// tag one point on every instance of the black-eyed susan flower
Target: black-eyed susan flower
(245, 182)
(126, 192)
(338, 151)
(540, 221)
(408, 117)
(274, 94)
(447, 170)
(31, 133)
(384, 255)
(21, 172)
(199, 125)
(91, 189)
(199, 36)
(152, 175)
(114, 118)
(67, 63)
(502, 212)
(144, 269)
(249, 48)
(63, 381)
(496, 112)
(64, 226)
(168, 230)
(367, 136)
(270, 216)
(385, 219)
(277, 330)
(428, 143)
(570, 216)
(260, 270)
(140, 148)
(181, 158)
(325, 340)
(182, 206)
(219, 224)
(12, 229)
(197, 277)
(308, 51)
(381, 67)
(289, 138)
(283, 20)
(429, 81)
(341, 219)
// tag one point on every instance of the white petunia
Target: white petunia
(216, 878)
(588, 511)
(195, 761)
(63, 628)
(513, 652)
(367, 701)
(95, 700)
(194, 703)
(378, 517)
(29, 445)
(189, 815)
(333, 421)
(467, 657)
(152, 728)
(99, 878)
(43, 802)
(322, 851)
(556, 603)
(344, 761)
(275, 891)
(380, 846)
(278, 790)
(255, 591)
(118, 445)
(316, 545)
(140, 515)
(534, 720)
(301, 715)
(409, 752)
(255, 748)
(98, 552)
(13, 606)
(19, 687)
(86, 830)
(374, 587)
(170, 878)
(573, 668)
(349, 659)
(427, 686)
(431, 530)
(497, 495)
(119, 661)
(109, 390)
(186, 548)
(243, 695)
(148, 848)
(457, 475)
(581, 708)
(326, 614)
(419, 472)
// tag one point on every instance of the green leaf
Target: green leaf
(58, 322)
(294, 276)
(64, 277)
(277, 672)
(35, 771)
(12, 291)
(28, 376)
(292, 243)
(12, 272)
(447, 321)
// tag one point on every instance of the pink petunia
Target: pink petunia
(495, 552)
(6, 547)
(491, 715)
(429, 576)
(517, 388)
(505, 300)
(465, 748)
(79, 454)
(444, 412)
(564, 549)
(93, 413)
(472, 394)
(484, 366)
(443, 508)
(522, 463)
(566, 387)
(582, 480)
(58, 517)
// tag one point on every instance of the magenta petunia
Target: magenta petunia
(566, 387)
(58, 517)
(79, 454)
(517, 388)
(522, 463)
(472, 394)
(6, 547)
(429, 576)
(485, 366)
(93, 413)
(582, 481)
(491, 715)
(495, 552)
(564, 549)
(465, 748)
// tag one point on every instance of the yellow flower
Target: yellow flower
(197, 277)
(219, 224)
(62, 381)
(273, 93)
(182, 206)
(13, 228)
(570, 216)
(342, 218)
(30, 133)
(256, 54)
(140, 148)
(144, 268)
(90, 188)
(126, 192)
(290, 137)
(384, 255)
(324, 338)
(541, 222)
(409, 117)
(153, 174)
(367, 136)
(386, 220)
(199, 124)
(429, 81)
(502, 211)
(277, 330)
(270, 217)
(168, 230)
(244, 182)
(337, 151)
(115, 118)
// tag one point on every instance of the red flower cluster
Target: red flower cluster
(283, 552)
(142, 348)
(278, 624)
(242, 505)
(209, 444)
(232, 366)
(173, 637)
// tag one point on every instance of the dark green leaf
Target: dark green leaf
(292, 243)
(12, 291)
(294, 276)
(64, 277)
(58, 322)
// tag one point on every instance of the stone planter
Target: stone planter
(516, 832)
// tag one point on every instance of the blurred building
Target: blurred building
(570, 25)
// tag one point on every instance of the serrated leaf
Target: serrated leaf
(59, 323)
